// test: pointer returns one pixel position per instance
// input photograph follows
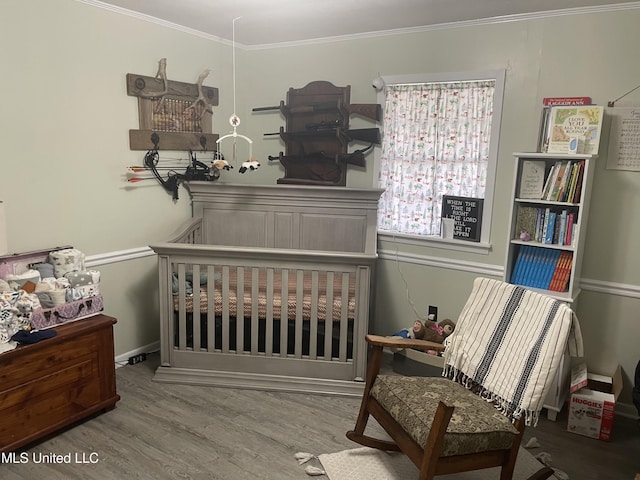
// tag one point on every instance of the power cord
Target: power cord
(404, 280)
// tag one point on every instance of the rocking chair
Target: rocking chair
(498, 366)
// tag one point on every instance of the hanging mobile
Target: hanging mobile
(234, 120)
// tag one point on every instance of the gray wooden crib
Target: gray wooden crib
(269, 287)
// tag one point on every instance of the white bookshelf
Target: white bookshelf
(580, 209)
(559, 391)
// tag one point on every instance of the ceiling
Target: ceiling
(267, 22)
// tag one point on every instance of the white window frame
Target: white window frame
(484, 245)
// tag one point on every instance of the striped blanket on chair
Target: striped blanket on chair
(508, 342)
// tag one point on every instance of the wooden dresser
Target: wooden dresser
(55, 382)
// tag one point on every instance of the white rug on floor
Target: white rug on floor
(370, 464)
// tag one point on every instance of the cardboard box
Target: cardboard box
(592, 402)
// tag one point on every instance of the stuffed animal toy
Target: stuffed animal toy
(418, 331)
(222, 164)
(437, 332)
(251, 164)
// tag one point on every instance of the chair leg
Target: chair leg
(506, 473)
(357, 434)
(435, 441)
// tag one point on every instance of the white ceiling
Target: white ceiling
(267, 22)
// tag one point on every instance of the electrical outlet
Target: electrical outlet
(433, 311)
(141, 357)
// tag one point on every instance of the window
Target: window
(440, 137)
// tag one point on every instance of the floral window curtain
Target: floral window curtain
(436, 142)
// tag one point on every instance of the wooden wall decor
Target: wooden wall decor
(317, 134)
(179, 114)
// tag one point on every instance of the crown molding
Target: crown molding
(374, 34)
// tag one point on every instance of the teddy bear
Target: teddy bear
(437, 332)
(418, 331)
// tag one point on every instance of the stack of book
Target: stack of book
(551, 226)
(570, 125)
(564, 182)
(543, 268)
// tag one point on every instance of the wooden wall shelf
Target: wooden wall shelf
(165, 112)
(316, 135)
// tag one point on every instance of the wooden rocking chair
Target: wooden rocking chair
(499, 364)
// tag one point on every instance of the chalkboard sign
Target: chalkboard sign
(467, 215)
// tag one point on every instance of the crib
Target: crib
(269, 287)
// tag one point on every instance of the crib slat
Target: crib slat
(195, 315)
(284, 309)
(268, 342)
(328, 321)
(239, 309)
(344, 316)
(211, 311)
(225, 309)
(182, 310)
(313, 323)
(299, 304)
(255, 283)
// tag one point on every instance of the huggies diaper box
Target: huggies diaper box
(592, 402)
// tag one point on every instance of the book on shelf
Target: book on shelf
(547, 103)
(578, 190)
(562, 272)
(530, 263)
(517, 266)
(526, 262)
(550, 225)
(557, 182)
(548, 231)
(564, 182)
(543, 137)
(568, 238)
(562, 227)
(570, 190)
(542, 216)
(550, 180)
(574, 124)
(550, 266)
(551, 101)
(535, 266)
(526, 221)
(532, 179)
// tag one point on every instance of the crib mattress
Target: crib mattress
(276, 302)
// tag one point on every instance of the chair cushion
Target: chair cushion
(476, 425)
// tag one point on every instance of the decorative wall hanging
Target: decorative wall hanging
(174, 116)
(179, 114)
(317, 134)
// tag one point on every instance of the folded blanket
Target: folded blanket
(18, 280)
(66, 260)
(15, 312)
(86, 277)
(509, 341)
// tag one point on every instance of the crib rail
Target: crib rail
(263, 317)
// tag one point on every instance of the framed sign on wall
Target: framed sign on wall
(466, 213)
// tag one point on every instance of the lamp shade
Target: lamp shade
(3, 230)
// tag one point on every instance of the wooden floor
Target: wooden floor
(160, 431)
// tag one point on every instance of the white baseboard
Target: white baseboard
(122, 359)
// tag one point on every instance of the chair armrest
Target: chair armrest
(388, 342)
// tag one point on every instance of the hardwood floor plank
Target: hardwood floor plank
(166, 431)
